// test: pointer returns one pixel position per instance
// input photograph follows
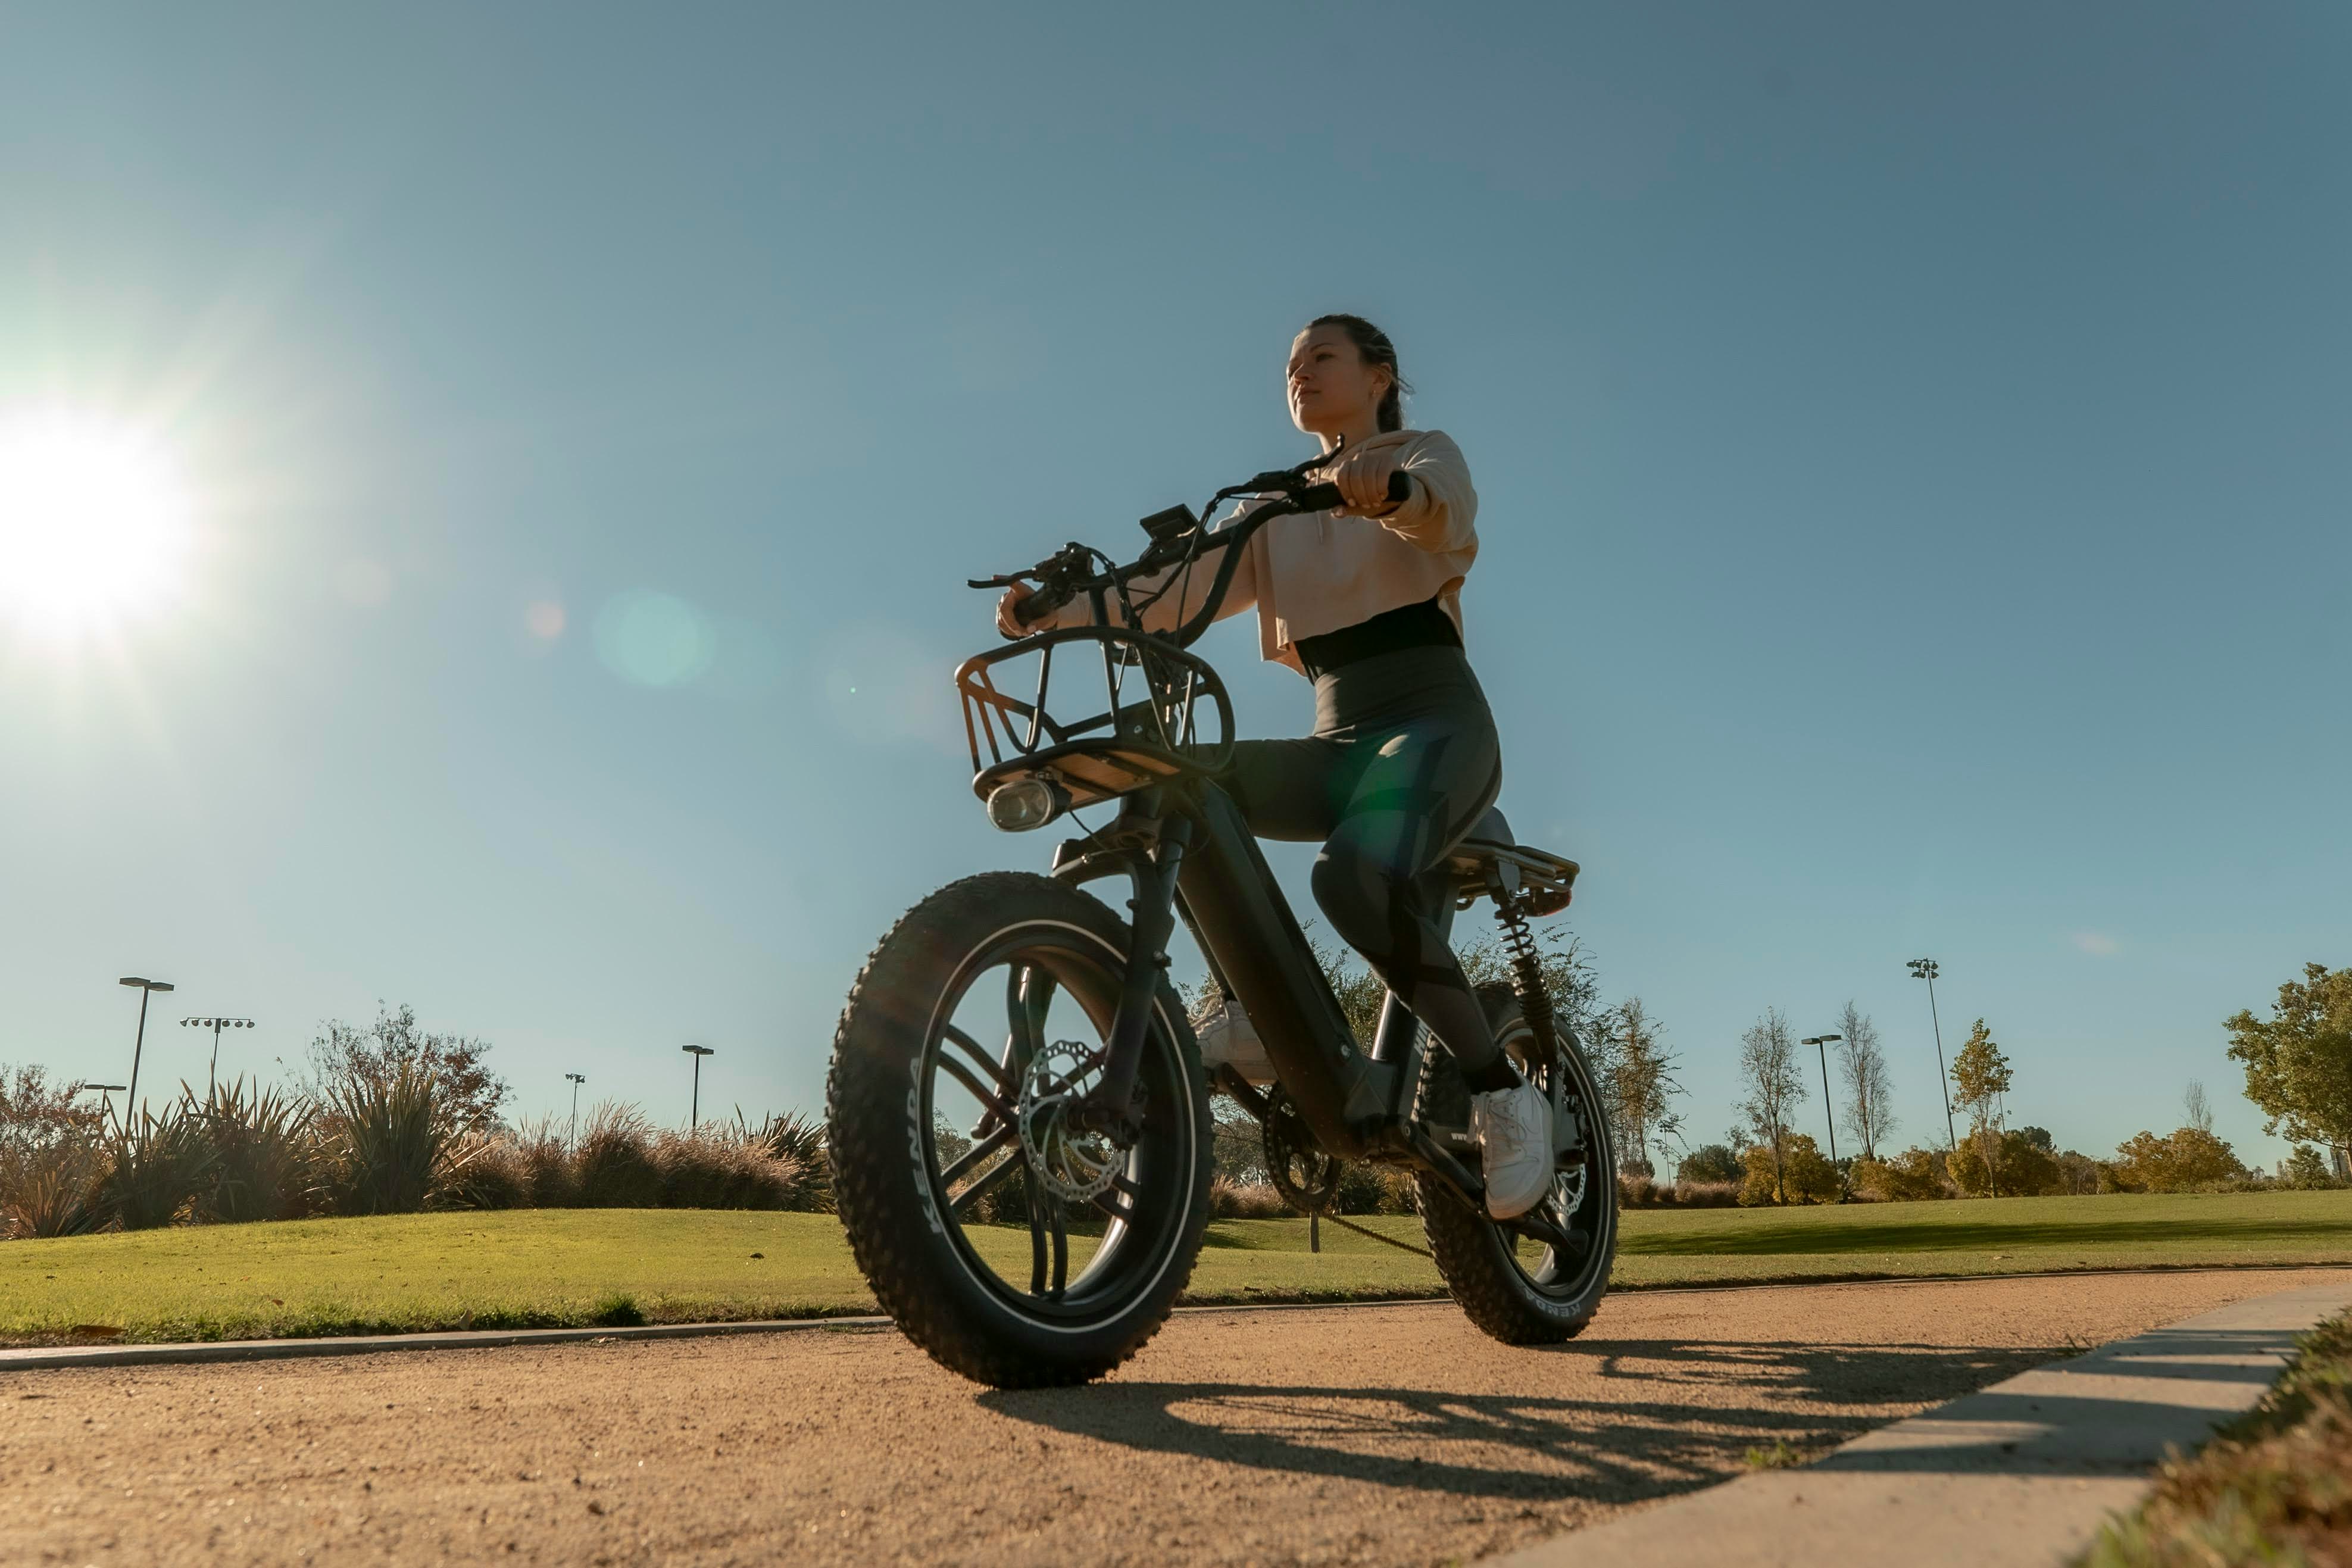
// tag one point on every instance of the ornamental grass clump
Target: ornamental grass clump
(799, 1138)
(1229, 1199)
(715, 1168)
(612, 1165)
(492, 1173)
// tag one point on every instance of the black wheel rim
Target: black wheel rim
(1581, 1202)
(1060, 1264)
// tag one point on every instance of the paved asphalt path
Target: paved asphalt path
(1368, 1435)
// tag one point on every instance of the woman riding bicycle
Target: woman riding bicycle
(1365, 601)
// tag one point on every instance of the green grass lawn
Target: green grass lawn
(556, 1267)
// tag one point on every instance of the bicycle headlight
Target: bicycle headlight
(1028, 802)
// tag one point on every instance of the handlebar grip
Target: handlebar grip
(1039, 604)
(1323, 498)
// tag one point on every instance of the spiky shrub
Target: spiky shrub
(159, 1167)
(613, 1164)
(265, 1155)
(713, 1168)
(390, 1147)
(798, 1138)
(57, 1194)
(1373, 1189)
(53, 1148)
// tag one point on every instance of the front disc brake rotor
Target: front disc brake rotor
(1075, 1164)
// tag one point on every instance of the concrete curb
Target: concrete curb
(49, 1359)
(53, 1358)
(2024, 1472)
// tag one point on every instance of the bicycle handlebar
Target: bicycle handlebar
(1063, 577)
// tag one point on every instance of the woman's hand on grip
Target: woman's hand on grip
(1008, 619)
(1363, 478)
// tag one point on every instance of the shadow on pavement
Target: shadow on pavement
(1742, 1396)
(1911, 1236)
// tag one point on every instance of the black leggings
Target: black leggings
(1402, 762)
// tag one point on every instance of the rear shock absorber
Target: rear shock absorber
(1527, 966)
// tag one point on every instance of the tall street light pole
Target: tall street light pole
(1820, 1043)
(577, 1080)
(694, 1116)
(1927, 968)
(146, 988)
(104, 1092)
(212, 1069)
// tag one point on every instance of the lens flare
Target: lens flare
(93, 523)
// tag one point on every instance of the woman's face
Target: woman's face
(1333, 390)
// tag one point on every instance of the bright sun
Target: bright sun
(93, 523)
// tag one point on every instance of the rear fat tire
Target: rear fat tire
(1474, 1253)
(877, 1136)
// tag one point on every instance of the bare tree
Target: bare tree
(1643, 1081)
(1776, 1086)
(2201, 1111)
(1870, 1092)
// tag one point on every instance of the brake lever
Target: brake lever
(1070, 555)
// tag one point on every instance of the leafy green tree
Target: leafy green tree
(1776, 1086)
(453, 1065)
(1710, 1162)
(2298, 1062)
(1980, 1080)
(2189, 1158)
(2306, 1168)
(2020, 1167)
(1799, 1174)
(1909, 1177)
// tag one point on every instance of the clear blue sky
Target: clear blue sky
(1913, 444)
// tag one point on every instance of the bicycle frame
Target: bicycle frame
(1187, 852)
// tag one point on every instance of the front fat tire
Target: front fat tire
(881, 1173)
(1474, 1253)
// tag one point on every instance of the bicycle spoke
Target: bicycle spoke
(980, 1058)
(974, 1155)
(998, 1106)
(1109, 1204)
(1036, 1239)
(1061, 1246)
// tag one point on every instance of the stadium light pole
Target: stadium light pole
(694, 1115)
(1820, 1043)
(212, 1069)
(146, 988)
(1927, 968)
(577, 1080)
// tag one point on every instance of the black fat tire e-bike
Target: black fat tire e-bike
(1017, 1113)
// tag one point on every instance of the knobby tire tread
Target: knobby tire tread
(1484, 1284)
(867, 1126)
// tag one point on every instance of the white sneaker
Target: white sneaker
(1513, 1127)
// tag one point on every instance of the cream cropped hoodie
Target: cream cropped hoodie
(1315, 572)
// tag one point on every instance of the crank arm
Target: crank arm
(1457, 1178)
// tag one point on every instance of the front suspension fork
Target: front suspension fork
(1111, 1106)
